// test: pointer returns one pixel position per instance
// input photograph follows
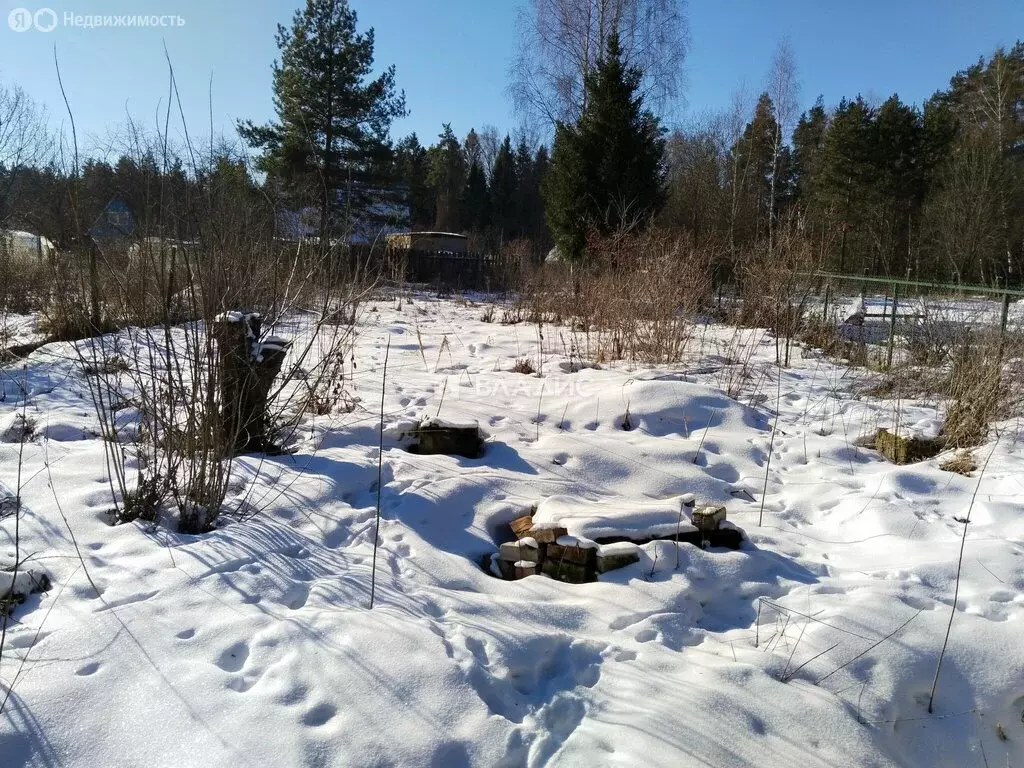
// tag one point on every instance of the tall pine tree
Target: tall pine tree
(754, 161)
(413, 169)
(808, 145)
(330, 140)
(504, 193)
(607, 170)
(475, 202)
(447, 178)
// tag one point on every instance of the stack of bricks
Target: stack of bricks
(551, 551)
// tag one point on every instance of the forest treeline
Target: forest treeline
(869, 186)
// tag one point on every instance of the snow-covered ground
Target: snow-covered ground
(815, 644)
(18, 329)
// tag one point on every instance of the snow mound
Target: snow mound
(590, 521)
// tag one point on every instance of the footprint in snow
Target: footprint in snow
(296, 597)
(233, 658)
(319, 715)
(296, 694)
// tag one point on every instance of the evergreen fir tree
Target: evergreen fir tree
(475, 202)
(808, 145)
(447, 178)
(532, 170)
(504, 193)
(412, 170)
(607, 170)
(897, 163)
(524, 188)
(845, 175)
(331, 132)
(753, 157)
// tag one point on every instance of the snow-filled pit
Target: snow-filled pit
(434, 436)
(255, 644)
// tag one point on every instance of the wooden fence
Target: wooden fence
(485, 272)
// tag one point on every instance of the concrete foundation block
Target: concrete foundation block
(708, 518)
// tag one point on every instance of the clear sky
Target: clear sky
(452, 56)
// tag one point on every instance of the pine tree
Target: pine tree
(531, 169)
(896, 153)
(753, 157)
(845, 175)
(412, 170)
(607, 170)
(504, 192)
(475, 199)
(808, 146)
(988, 102)
(447, 178)
(331, 132)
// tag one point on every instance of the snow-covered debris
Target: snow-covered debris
(269, 345)
(453, 438)
(17, 585)
(594, 520)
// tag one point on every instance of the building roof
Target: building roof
(433, 234)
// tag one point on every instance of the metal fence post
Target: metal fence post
(1004, 318)
(892, 326)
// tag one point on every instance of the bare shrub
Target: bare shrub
(524, 365)
(515, 264)
(777, 286)
(637, 298)
(169, 422)
(963, 463)
(977, 392)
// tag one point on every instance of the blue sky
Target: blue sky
(452, 56)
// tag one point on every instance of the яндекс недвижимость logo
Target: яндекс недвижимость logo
(22, 19)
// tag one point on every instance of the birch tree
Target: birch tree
(561, 41)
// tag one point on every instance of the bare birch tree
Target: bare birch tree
(490, 143)
(22, 138)
(561, 40)
(784, 91)
(731, 132)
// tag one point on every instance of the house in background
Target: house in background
(116, 224)
(363, 216)
(16, 244)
